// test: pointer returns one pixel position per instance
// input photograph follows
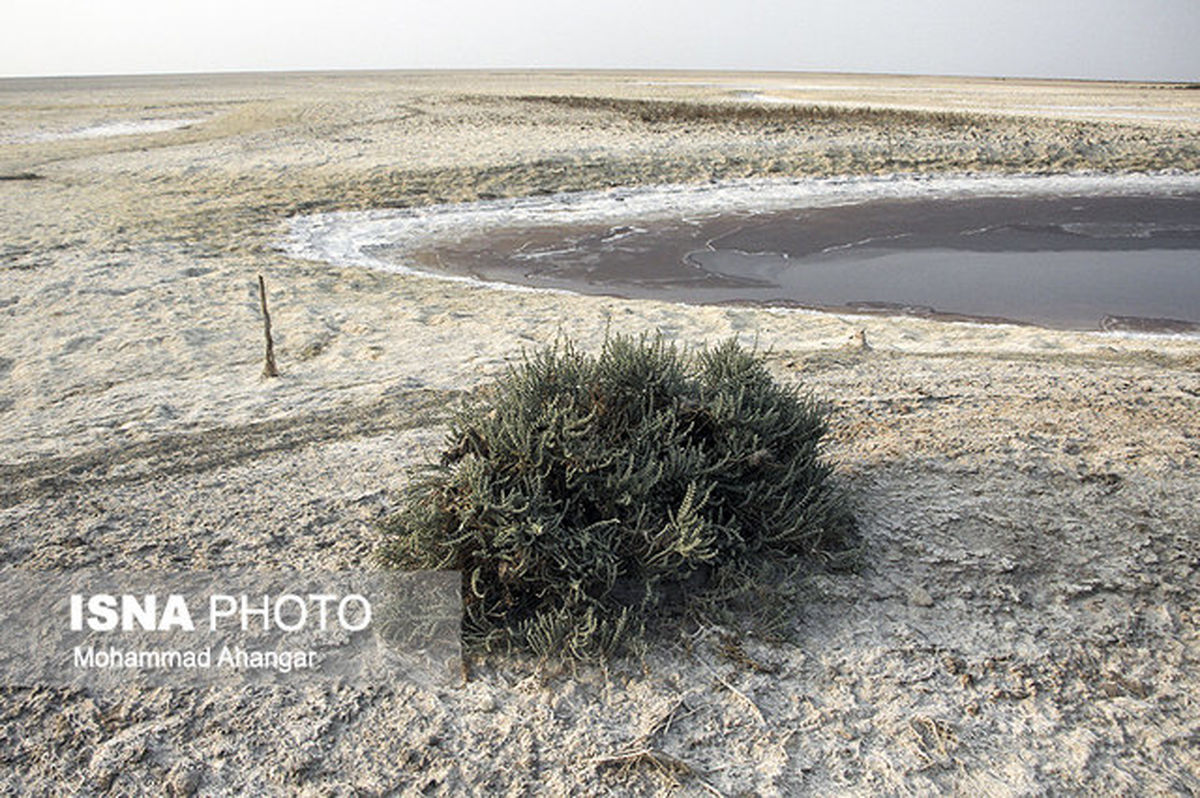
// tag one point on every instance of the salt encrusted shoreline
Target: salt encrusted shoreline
(1024, 621)
(353, 238)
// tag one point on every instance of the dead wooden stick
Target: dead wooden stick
(269, 369)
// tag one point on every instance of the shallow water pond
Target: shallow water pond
(1074, 262)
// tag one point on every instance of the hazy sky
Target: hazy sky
(1134, 39)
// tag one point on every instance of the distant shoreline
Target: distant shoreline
(601, 71)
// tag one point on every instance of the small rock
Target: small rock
(919, 597)
(183, 780)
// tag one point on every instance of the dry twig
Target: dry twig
(269, 369)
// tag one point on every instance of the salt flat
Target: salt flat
(1024, 620)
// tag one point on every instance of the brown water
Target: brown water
(1095, 262)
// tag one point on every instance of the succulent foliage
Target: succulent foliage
(589, 494)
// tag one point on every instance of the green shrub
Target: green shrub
(592, 492)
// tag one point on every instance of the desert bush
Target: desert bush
(586, 494)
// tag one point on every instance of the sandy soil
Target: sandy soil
(1024, 621)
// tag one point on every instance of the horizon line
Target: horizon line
(533, 69)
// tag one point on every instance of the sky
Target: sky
(1095, 39)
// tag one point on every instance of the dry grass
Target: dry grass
(679, 112)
